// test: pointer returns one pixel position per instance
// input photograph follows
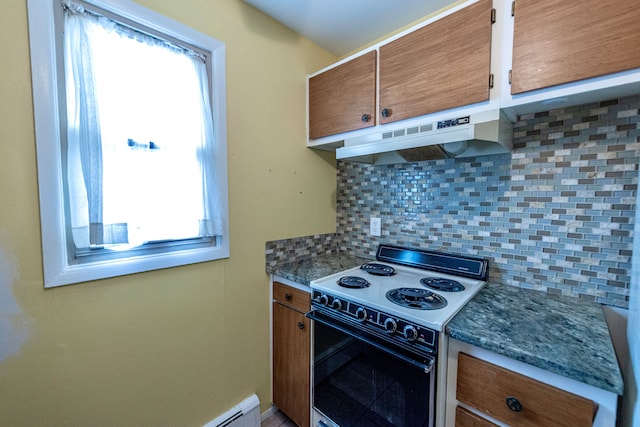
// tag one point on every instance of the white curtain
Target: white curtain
(84, 152)
(140, 149)
(212, 224)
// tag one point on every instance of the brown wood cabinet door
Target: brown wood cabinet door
(291, 362)
(559, 41)
(341, 96)
(443, 65)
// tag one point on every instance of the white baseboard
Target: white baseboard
(244, 414)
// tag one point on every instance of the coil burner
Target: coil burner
(419, 299)
(353, 282)
(443, 285)
(378, 269)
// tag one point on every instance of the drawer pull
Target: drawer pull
(288, 297)
(514, 404)
(300, 325)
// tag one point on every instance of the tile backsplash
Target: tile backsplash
(298, 248)
(556, 214)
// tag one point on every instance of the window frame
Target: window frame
(57, 245)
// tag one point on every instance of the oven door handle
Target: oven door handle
(425, 367)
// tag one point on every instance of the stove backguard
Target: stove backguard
(458, 265)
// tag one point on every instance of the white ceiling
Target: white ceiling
(342, 26)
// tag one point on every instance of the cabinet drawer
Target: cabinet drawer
(294, 298)
(488, 387)
(465, 418)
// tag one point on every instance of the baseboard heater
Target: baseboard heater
(244, 414)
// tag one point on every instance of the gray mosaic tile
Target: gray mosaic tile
(299, 248)
(554, 215)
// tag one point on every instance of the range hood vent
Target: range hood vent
(481, 134)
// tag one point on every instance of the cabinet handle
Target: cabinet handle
(300, 325)
(514, 404)
(366, 118)
(386, 112)
(288, 297)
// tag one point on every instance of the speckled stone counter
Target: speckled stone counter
(306, 270)
(560, 334)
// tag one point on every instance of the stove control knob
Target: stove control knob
(324, 300)
(336, 304)
(410, 333)
(390, 325)
(361, 314)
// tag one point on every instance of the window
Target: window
(130, 138)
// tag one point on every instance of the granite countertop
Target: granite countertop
(560, 334)
(306, 270)
(563, 335)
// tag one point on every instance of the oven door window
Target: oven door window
(359, 384)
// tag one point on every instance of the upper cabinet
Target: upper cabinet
(523, 57)
(440, 66)
(558, 41)
(343, 98)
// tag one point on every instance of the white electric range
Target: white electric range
(378, 356)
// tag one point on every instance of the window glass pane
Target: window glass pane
(151, 122)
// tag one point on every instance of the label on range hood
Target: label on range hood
(454, 122)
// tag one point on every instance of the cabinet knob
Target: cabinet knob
(386, 112)
(366, 118)
(514, 404)
(300, 325)
(288, 297)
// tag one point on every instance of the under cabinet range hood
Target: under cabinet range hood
(480, 134)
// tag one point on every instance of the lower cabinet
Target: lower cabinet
(291, 353)
(487, 389)
(517, 400)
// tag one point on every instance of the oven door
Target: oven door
(365, 379)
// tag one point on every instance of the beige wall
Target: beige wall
(176, 346)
